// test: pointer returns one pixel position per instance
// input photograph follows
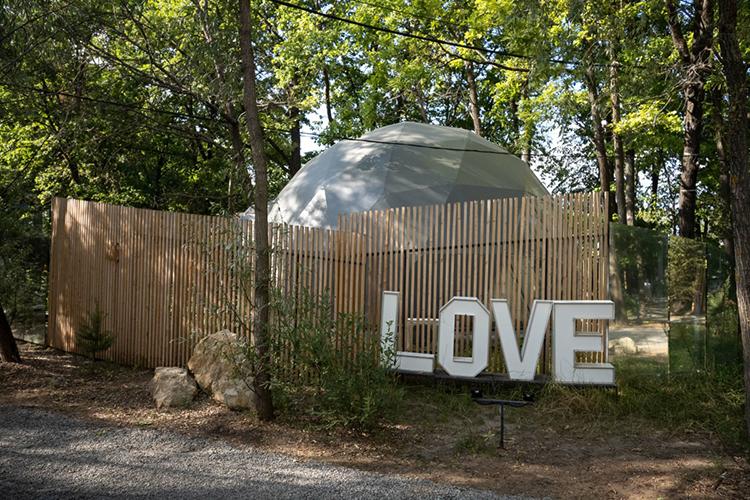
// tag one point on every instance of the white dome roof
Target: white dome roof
(407, 164)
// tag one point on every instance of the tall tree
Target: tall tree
(617, 140)
(605, 167)
(694, 61)
(262, 274)
(735, 74)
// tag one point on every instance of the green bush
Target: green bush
(327, 367)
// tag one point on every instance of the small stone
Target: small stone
(623, 345)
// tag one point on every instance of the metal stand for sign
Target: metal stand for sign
(528, 399)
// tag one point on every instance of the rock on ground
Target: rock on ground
(220, 369)
(172, 387)
(623, 345)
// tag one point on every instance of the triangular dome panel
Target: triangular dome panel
(406, 164)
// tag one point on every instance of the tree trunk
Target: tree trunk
(327, 82)
(630, 186)
(614, 92)
(527, 138)
(526, 155)
(693, 125)
(421, 104)
(261, 333)
(695, 60)
(736, 143)
(473, 97)
(295, 160)
(725, 218)
(605, 175)
(8, 348)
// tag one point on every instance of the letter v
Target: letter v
(521, 363)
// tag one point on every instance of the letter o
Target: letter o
(480, 350)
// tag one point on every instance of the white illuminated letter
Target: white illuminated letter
(404, 361)
(522, 363)
(480, 347)
(566, 342)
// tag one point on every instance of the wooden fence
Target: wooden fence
(165, 279)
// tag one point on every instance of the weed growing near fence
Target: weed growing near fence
(327, 366)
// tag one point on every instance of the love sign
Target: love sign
(521, 363)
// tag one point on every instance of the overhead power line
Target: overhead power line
(130, 106)
(425, 38)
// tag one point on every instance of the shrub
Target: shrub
(327, 367)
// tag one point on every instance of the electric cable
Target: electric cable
(425, 38)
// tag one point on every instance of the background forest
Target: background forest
(140, 103)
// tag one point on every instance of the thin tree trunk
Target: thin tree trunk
(421, 104)
(261, 331)
(614, 92)
(295, 160)
(630, 186)
(725, 217)
(473, 97)
(327, 81)
(401, 106)
(515, 123)
(526, 155)
(605, 176)
(8, 348)
(525, 138)
(735, 73)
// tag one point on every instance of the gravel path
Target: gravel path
(46, 456)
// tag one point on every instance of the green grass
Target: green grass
(710, 403)
(478, 444)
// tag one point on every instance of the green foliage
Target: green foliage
(698, 401)
(724, 344)
(24, 252)
(91, 338)
(649, 400)
(327, 367)
(686, 271)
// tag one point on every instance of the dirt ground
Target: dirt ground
(556, 461)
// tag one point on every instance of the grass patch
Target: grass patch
(649, 399)
(476, 444)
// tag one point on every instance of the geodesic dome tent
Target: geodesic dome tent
(407, 164)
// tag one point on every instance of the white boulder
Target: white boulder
(172, 387)
(221, 370)
(623, 345)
